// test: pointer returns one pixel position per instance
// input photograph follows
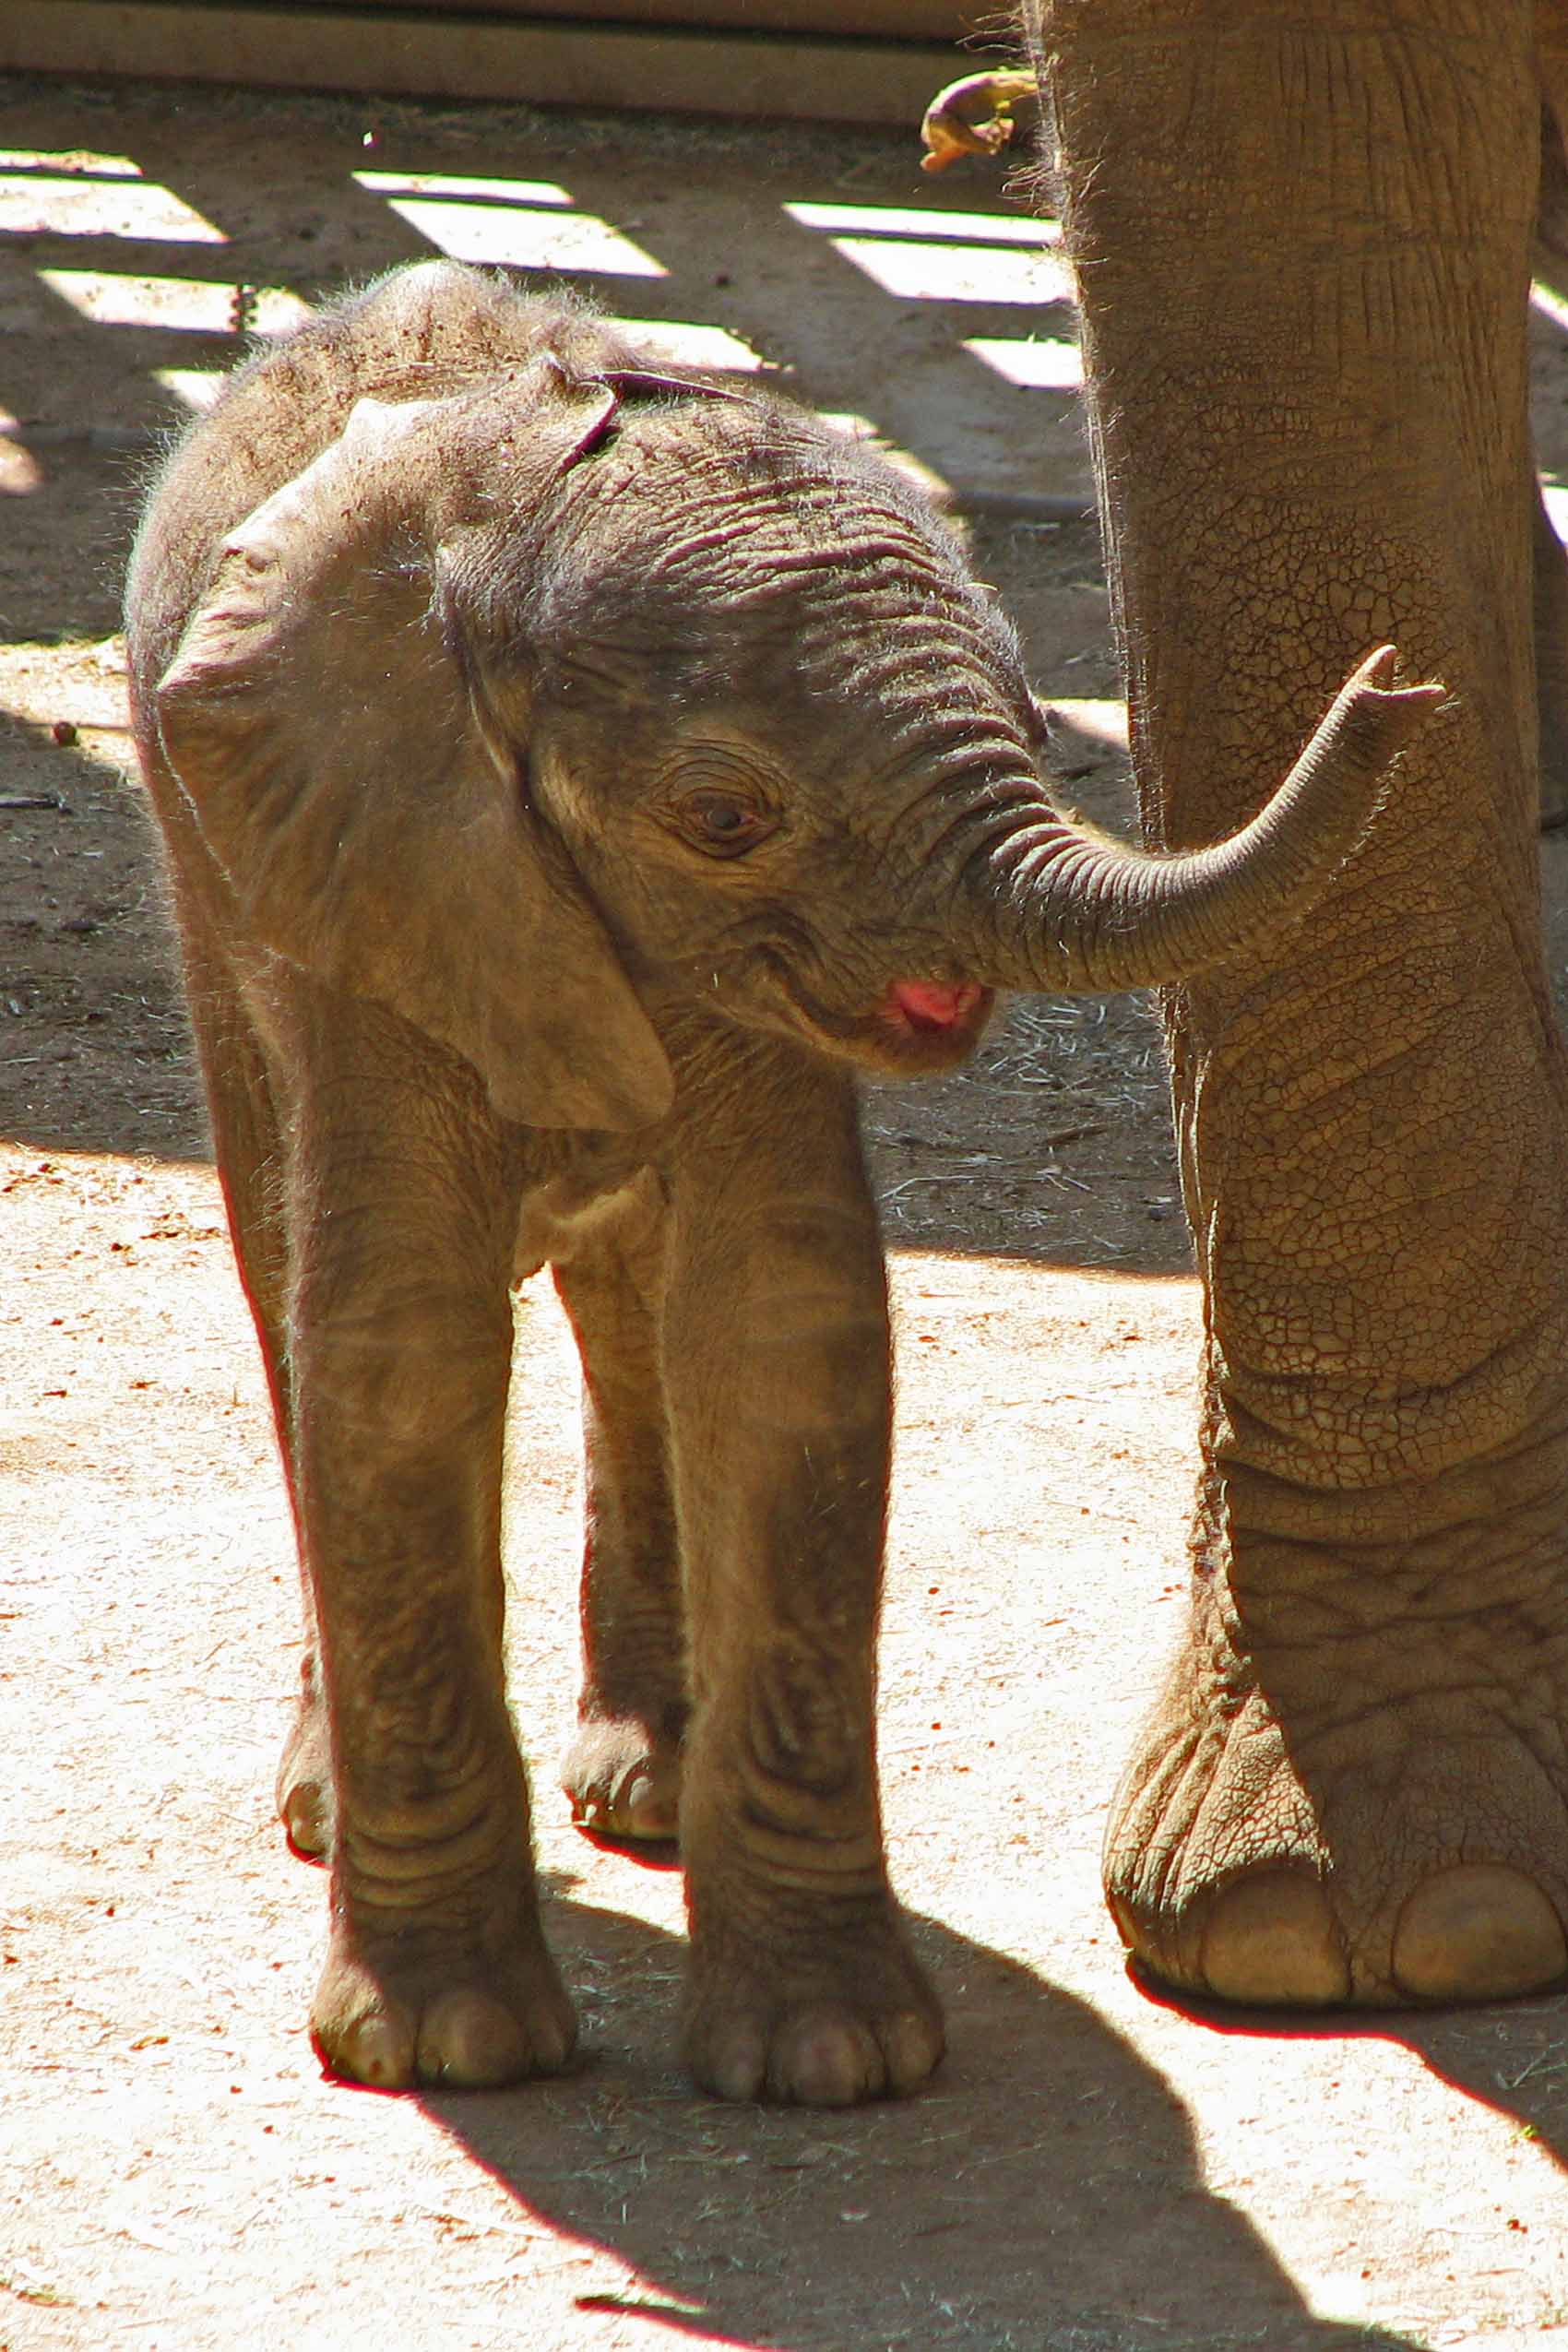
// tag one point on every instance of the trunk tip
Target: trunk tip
(1389, 714)
(1376, 673)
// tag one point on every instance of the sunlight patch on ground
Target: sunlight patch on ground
(531, 224)
(83, 162)
(898, 220)
(464, 189)
(20, 470)
(186, 304)
(963, 257)
(914, 270)
(1035, 364)
(67, 204)
(194, 387)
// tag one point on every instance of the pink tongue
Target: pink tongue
(934, 1007)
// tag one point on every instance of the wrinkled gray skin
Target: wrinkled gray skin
(1304, 318)
(571, 775)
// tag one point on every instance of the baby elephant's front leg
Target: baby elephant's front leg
(802, 1986)
(402, 1211)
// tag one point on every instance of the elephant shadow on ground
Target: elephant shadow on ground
(1513, 2057)
(1045, 2191)
(1510, 2056)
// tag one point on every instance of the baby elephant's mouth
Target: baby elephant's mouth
(927, 1024)
(926, 1009)
(915, 1027)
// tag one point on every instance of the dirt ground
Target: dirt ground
(1094, 2170)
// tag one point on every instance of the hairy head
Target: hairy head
(734, 549)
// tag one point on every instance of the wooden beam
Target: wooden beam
(425, 53)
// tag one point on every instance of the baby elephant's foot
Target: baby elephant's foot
(830, 2028)
(467, 2003)
(623, 1780)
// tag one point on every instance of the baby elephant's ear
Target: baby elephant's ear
(323, 735)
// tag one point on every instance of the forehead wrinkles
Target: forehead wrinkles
(720, 535)
(774, 524)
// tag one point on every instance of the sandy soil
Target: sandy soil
(1094, 2171)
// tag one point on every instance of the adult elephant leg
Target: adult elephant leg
(801, 1983)
(621, 1769)
(400, 1198)
(1302, 235)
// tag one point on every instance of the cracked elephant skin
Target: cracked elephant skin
(573, 772)
(1305, 328)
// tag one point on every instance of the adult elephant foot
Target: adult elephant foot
(817, 2021)
(623, 1780)
(1291, 1834)
(467, 1999)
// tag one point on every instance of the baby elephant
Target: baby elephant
(573, 772)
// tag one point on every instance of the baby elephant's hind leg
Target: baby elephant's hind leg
(247, 1132)
(622, 1768)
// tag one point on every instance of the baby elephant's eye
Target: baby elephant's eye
(723, 825)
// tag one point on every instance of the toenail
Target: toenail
(1270, 1939)
(1479, 1931)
